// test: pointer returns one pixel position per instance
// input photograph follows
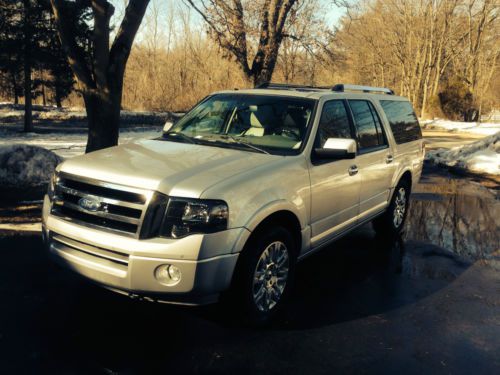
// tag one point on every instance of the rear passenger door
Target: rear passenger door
(374, 160)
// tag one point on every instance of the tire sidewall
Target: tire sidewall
(246, 268)
(384, 224)
(406, 186)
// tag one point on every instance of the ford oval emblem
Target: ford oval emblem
(90, 204)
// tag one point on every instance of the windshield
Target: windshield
(270, 124)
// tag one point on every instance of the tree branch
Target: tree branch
(76, 58)
(102, 11)
(120, 50)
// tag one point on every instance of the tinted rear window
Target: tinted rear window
(367, 123)
(404, 123)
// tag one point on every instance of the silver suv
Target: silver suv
(235, 193)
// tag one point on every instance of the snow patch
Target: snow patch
(15, 113)
(25, 166)
(482, 156)
(73, 144)
(482, 128)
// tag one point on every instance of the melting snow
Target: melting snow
(25, 166)
(482, 156)
(484, 128)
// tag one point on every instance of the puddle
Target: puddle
(455, 214)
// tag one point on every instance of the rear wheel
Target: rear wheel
(265, 273)
(392, 221)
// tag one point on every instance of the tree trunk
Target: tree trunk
(58, 96)
(264, 76)
(28, 109)
(263, 66)
(103, 117)
(15, 89)
(28, 116)
(44, 98)
(102, 82)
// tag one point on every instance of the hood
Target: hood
(176, 169)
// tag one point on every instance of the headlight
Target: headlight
(54, 179)
(178, 217)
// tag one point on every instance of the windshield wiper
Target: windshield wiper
(248, 144)
(180, 135)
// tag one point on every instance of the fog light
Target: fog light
(168, 274)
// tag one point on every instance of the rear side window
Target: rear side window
(368, 124)
(404, 123)
(334, 122)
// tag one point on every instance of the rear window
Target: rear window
(404, 123)
(367, 124)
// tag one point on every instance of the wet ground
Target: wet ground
(425, 303)
(456, 213)
(438, 138)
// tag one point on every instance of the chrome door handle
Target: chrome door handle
(389, 159)
(353, 169)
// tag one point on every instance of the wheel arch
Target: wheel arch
(406, 174)
(286, 219)
(280, 216)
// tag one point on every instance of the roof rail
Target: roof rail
(286, 86)
(342, 88)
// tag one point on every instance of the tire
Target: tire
(392, 221)
(264, 275)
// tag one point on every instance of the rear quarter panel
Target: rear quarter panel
(407, 156)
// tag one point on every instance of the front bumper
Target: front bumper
(128, 265)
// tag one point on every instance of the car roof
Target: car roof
(312, 93)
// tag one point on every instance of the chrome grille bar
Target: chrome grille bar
(92, 250)
(116, 202)
(113, 207)
(102, 214)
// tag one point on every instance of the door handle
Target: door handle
(353, 169)
(389, 159)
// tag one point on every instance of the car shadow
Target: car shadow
(364, 274)
(53, 321)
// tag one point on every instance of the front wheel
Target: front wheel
(392, 221)
(265, 274)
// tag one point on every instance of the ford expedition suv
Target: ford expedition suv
(234, 194)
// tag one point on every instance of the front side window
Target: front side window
(274, 124)
(334, 122)
(368, 125)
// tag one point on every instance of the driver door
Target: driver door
(335, 186)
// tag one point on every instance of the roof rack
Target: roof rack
(286, 86)
(337, 88)
(342, 88)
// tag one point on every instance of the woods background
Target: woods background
(442, 54)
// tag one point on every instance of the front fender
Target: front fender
(266, 211)
(271, 208)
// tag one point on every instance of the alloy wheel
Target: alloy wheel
(399, 207)
(270, 276)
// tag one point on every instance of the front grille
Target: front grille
(117, 208)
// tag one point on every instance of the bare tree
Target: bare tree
(229, 23)
(100, 78)
(28, 35)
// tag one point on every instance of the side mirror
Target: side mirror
(337, 148)
(168, 125)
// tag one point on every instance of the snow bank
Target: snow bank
(483, 128)
(482, 156)
(25, 166)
